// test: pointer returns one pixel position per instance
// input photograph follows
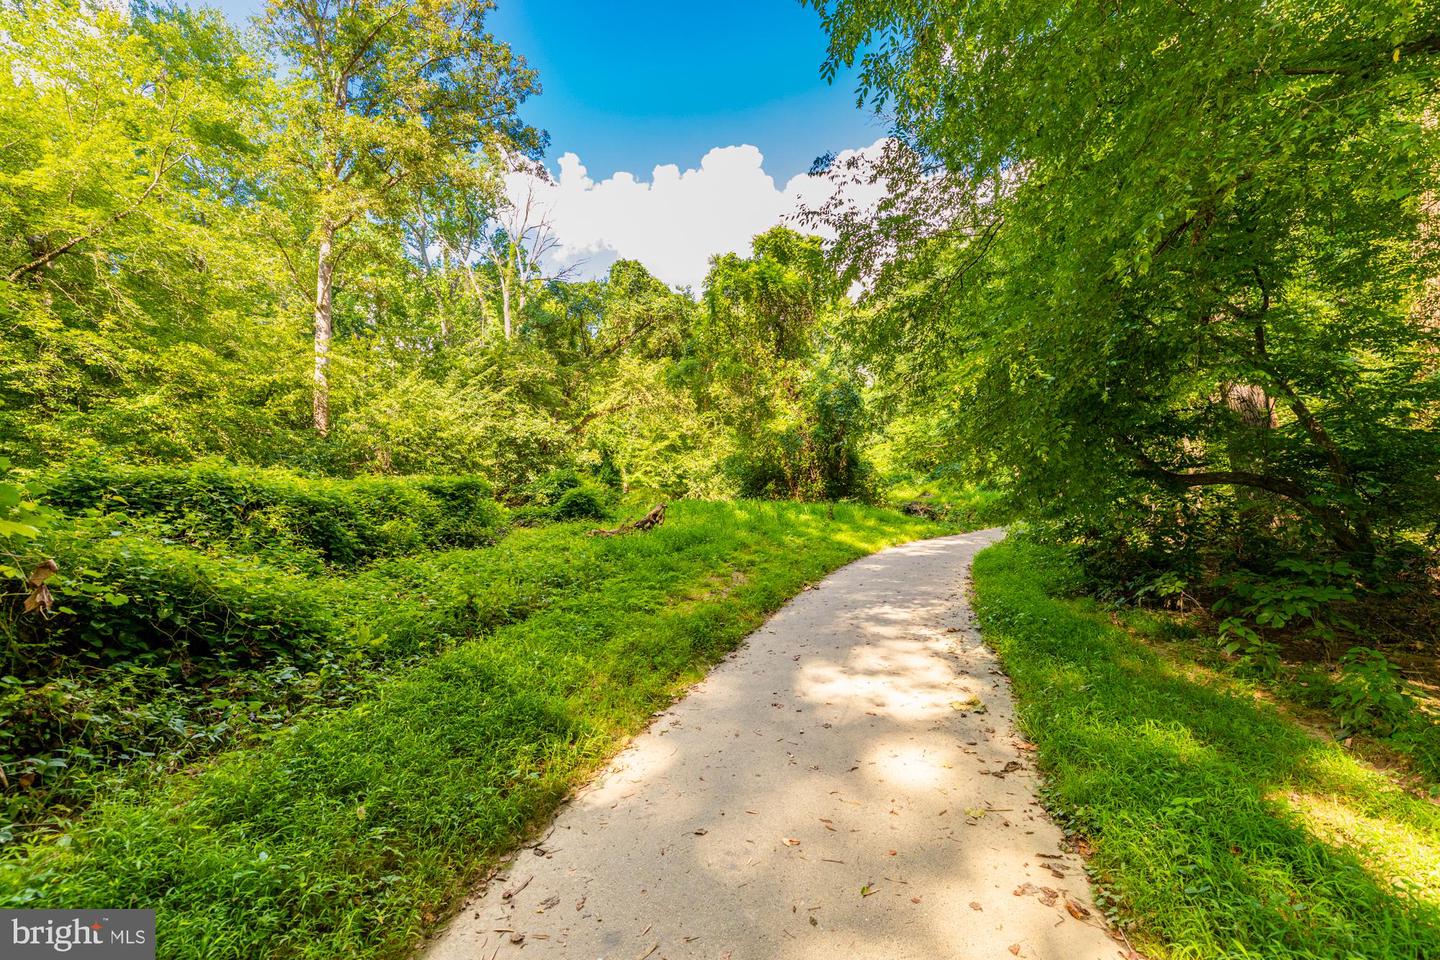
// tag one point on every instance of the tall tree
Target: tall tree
(133, 280)
(1141, 228)
(380, 94)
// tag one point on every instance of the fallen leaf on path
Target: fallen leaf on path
(547, 903)
(1015, 949)
(1076, 911)
(791, 842)
(508, 894)
(867, 890)
(975, 905)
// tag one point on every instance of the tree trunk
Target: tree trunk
(505, 302)
(324, 326)
(444, 290)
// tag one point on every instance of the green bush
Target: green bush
(138, 601)
(289, 520)
(563, 495)
(1370, 695)
(582, 503)
(547, 490)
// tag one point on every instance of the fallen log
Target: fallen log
(650, 521)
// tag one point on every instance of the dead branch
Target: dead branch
(650, 521)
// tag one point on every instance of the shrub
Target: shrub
(581, 503)
(563, 495)
(547, 490)
(289, 520)
(138, 601)
(1370, 696)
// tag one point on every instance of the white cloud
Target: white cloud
(674, 222)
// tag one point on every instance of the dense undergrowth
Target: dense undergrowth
(314, 760)
(940, 497)
(1218, 825)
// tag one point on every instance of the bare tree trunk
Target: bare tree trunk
(505, 302)
(324, 326)
(443, 290)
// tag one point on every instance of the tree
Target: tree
(518, 249)
(134, 284)
(382, 94)
(772, 372)
(1121, 219)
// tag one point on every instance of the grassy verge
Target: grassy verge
(946, 500)
(1219, 826)
(354, 832)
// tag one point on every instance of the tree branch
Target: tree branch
(51, 255)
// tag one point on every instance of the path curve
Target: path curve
(828, 792)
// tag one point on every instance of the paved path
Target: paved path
(831, 791)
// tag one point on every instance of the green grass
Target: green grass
(965, 505)
(355, 831)
(1219, 826)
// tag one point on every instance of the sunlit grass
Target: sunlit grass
(1220, 827)
(355, 832)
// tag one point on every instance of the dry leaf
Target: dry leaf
(1015, 949)
(1076, 911)
(791, 842)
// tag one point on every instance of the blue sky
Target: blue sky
(677, 131)
(631, 85)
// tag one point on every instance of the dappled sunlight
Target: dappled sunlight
(846, 785)
(1214, 817)
(911, 767)
(1393, 851)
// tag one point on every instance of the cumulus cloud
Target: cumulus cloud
(675, 221)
